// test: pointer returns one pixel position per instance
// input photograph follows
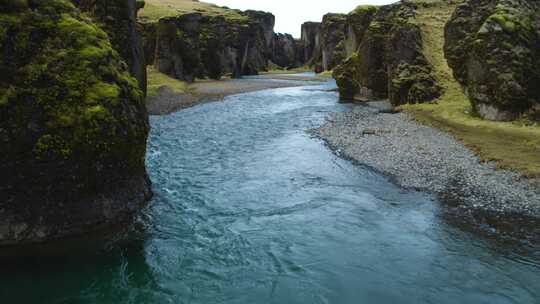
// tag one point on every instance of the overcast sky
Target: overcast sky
(290, 14)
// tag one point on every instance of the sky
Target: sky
(290, 14)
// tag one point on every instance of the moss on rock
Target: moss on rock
(493, 48)
(389, 61)
(72, 119)
(346, 75)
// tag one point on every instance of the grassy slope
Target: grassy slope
(157, 80)
(155, 9)
(510, 145)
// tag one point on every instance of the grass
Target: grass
(301, 69)
(156, 9)
(511, 145)
(156, 80)
(327, 74)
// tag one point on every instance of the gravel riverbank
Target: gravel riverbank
(425, 159)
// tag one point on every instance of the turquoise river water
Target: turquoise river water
(249, 208)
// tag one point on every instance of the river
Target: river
(250, 208)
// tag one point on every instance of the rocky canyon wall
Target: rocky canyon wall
(493, 48)
(73, 122)
(199, 45)
(119, 20)
(389, 60)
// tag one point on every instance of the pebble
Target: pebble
(425, 159)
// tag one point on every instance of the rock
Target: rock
(357, 23)
(284, 51)
(267, 22)
(198, 45)
(310, 42)
(149, 38)
(74, 125)
(493, 48)
(389, 60)
(332, 36)
(119, 19)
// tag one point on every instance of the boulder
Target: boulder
(493, 48)
(73, 126)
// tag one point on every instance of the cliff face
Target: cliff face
(284, 51)
(493, 48)
(196, 45)
(357, 23)
(119, 19)
(332, 36)
(389, 62)
(310, 42)
(73, 125)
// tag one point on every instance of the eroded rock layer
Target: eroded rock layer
(73, 125)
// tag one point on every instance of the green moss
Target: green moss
(68, 96)
(102, 91)
(346, 75)
(50, 147)
(361, 9)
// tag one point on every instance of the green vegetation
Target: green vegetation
(157, 80)
(84, 106)
(156, 9)
(511, 145)
(365, 8)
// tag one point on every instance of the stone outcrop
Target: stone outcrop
(332, 37)
(310, 42)
(389, 62)
(493, 47)
(119, 19)
(149, 38)
(357, 23)
(267, 22)
(73, 125)
(197, 45)
(284, 51)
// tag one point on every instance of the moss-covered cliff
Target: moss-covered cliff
(197, 45)
(118, 18)
(493, 47)
(188, 40)
(73, 125)
(389, 61)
